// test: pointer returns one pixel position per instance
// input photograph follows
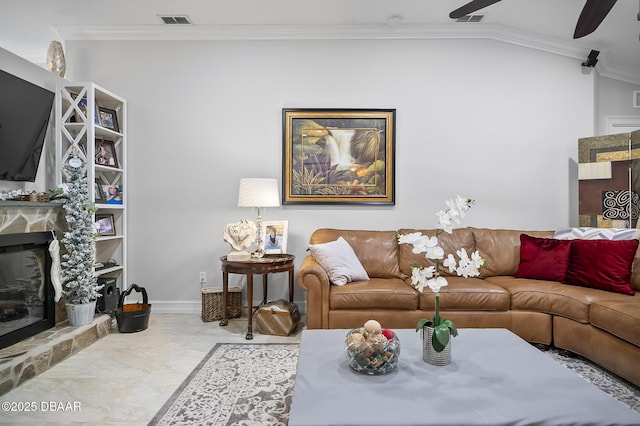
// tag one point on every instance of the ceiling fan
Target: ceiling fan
(593, 13)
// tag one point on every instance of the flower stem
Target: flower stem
(436, 316)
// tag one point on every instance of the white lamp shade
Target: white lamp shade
(258, 192)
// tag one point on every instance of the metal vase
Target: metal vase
(429, 355)
(81, 314)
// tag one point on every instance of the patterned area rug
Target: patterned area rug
(618, 388)
(236, 384)
(252, 384)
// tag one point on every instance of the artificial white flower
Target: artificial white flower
(435, 284)
(435, 252)
(409, 238)
(450, 262)
(444, 220)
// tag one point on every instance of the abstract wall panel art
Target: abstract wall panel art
(609, 181)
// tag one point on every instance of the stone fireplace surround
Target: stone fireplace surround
(34, 355)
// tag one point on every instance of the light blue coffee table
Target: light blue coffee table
(495, 378)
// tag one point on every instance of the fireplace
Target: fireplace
(27, 304)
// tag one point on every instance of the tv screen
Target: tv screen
(25, 109)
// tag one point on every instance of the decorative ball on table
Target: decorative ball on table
(371, 349)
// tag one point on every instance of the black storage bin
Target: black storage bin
(133, 317)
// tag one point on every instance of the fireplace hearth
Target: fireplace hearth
(27, 304)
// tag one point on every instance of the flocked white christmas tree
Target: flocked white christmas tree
(80, 281)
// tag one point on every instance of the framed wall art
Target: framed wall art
(105, 223)
(274, 236)
(338, 156)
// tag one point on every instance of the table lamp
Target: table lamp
(258, 192)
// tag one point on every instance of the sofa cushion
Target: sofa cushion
(602, 264)
(543, 258)
(618, 317)
(552, 297)
(339, 260)
(587, 233)
(501, 249)
(377, 293)
(467, 294)
(377, 250)
(459, 238)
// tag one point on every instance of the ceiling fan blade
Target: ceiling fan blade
(471, 7)
(592, 15)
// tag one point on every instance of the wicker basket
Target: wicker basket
(212, 303)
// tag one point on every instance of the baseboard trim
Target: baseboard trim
(194, 307)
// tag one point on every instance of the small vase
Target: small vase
(55, 59)
(81, 314)
(429, 355)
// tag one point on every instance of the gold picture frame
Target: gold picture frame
(338, 156)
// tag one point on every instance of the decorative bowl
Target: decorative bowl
(372, 354)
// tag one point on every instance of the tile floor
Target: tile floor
(123, 378)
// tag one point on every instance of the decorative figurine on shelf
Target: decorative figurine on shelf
(240, 236)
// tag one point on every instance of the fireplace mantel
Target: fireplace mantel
(29, 216)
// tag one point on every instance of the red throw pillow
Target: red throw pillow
(543, 258)
(602, 264)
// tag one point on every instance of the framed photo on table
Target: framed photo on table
(274, 236)
(106, 226)
(338, 156)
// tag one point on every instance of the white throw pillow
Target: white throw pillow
(587, 233)
(340, 261)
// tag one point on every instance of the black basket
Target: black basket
(133, 317)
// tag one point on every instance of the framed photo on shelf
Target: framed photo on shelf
(274, 236)
(97, 191)
(83, 114)
(105, 223)
(109, 119)
(338, 156)
(112, 194)
(106, 153)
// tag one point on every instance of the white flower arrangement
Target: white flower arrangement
(431, 276)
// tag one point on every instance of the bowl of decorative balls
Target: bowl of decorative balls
(372, 349)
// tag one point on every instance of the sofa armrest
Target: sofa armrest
(315, 282)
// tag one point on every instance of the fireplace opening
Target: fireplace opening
(27, 304)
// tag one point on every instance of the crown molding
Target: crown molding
(572, 48)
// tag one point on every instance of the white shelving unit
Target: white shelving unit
(89, 117)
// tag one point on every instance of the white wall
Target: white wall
(489, 120)
(615, 102)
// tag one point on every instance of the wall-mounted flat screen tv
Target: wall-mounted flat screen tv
(25, 109)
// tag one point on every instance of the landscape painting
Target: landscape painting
(337, 156)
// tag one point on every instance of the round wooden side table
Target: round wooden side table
(269, 264)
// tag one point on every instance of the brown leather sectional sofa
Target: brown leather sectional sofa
(599, 325)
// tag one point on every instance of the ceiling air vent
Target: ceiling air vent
(176, 20)
(470, 18)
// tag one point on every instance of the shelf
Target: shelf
(78, 132)
(103, 206)
(109, 238)
(106, 271)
